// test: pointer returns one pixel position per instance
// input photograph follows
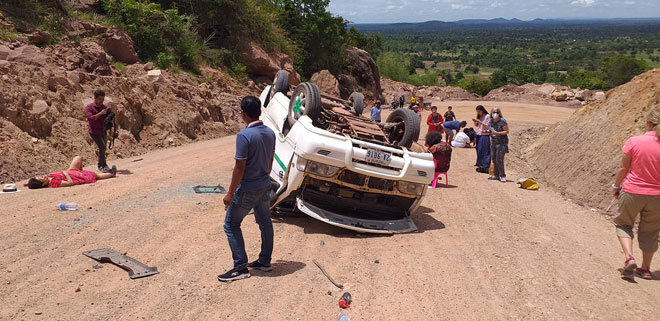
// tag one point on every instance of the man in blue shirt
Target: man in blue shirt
(451, 126)
(375, 112)
(249, 189)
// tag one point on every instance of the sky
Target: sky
(386, 11)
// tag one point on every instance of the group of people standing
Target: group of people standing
(491, 142)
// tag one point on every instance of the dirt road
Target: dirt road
(485, 251)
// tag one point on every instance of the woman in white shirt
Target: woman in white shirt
(483, 136)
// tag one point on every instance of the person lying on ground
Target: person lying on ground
(441, 151)
(462, 139)
(451, 126)
(435, 120)
(75, 175)
(639, 195)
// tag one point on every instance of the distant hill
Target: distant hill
(499, 22)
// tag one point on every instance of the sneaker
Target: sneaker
(257, 265)
(644, 273)
(503, 179)
(493, 178)
(106, 169)
(233, 275)
(113, 170)
(629, 267)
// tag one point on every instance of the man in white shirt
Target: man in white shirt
(462, 140)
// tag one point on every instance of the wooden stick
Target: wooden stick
(326, 275)
(609, 207)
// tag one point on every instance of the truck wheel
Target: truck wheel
(408, 133)
(280, 83)
(305, 100)
(358, 103)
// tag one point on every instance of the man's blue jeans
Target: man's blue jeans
(241, 205)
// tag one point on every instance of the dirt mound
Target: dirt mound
(394, 89)
(545, 94)
(42, 122)
(581, 155)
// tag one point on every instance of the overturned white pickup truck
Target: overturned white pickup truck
(339, 167)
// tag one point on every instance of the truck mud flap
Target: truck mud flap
(135, 268)
(404, 225)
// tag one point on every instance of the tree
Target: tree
(621, 69)
(477, 86)
(393, 66)
(498, 79)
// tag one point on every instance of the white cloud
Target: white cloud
(496, 4)
(583, 3)
(630, 3)
(458, 6)
(392, 7)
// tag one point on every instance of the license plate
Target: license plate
(378, 157)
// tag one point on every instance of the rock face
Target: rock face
(266, 65)
(585, 150)
(120, 46)
(42, 122)
(326, 82)
(365, 75)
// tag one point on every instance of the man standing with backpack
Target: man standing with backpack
(95, 113)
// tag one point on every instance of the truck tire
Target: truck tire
(358, 103)
(305, 100)
(280, 85)
(411, 124)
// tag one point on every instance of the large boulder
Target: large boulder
(263, 64)
(326, 82)
(30, 55)
(562, 95)
(120, 46)
(365, 72)
(94, 59)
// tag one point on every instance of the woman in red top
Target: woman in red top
(435, 121)
(75, 175)
(639, 195)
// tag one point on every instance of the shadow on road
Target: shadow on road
(124, 172)
(426, 222)
(313, 226)
(280, 268)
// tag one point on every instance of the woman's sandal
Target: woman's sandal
(629, 267)
(644, 273)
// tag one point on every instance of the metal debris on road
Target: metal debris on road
(135, 268)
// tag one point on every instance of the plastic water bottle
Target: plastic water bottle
(343, 317)
(67, 206)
